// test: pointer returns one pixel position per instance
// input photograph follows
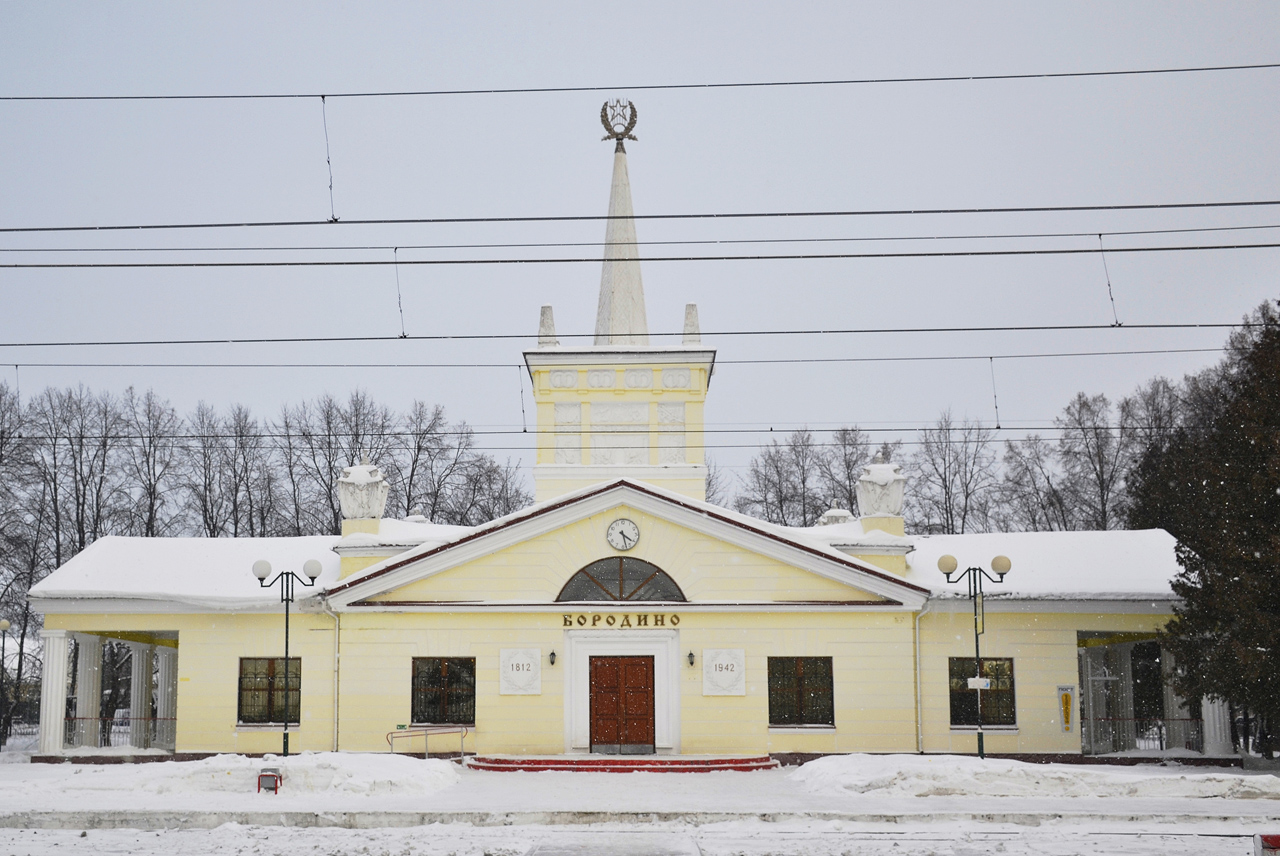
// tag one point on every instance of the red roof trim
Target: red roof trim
(622, 483)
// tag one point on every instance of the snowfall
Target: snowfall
(388, 804)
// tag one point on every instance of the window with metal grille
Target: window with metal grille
(800, 691)
(621, 578)
(265, 699)
(997, 703)
(444, 690)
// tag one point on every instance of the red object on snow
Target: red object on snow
(270, 777)
(1266, 845)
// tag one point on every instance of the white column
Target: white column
(140, 689)
(1216, 716)
(53, 692)
(166, 697)
(88, 729)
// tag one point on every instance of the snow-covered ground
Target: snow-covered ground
(902, 804)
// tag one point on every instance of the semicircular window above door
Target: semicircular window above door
(621, 578)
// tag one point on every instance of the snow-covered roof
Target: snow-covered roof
(850, 534)
(214, 573)
(1114, 565)
(410, 532)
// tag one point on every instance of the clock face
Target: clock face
(622, 534)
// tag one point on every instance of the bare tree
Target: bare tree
(1095, 456)
(204, 476)
(784, 482)
(486, 490)
(252, 474)
(954, 472)
(1031, 494)
(841, 466)
(421, 461)
(79, 437)
(151, 463)
(717, 485)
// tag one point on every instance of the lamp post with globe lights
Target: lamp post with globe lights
(4, 674)
(286, 579)
(949, 567)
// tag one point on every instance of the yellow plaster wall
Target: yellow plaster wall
(546, 397)
(872, 658)
(378, 652)
(1043, 648)
(893, 564)
(706, 569)
(209, 650)
(872, 675)
(349, 565)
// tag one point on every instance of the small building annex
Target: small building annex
(621, 613)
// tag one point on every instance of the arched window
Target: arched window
(621, 578)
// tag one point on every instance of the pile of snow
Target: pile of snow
(950, 775)
(310, 774)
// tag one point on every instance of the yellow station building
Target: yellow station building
(622, 614)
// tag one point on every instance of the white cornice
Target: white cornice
(1102, 605)
(637, 357)
(618, 356)
(620, 607)
(640, 472)
(142, 606)
(385, 551)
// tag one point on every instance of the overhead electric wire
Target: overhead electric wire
(650, 87)
(569, 218)
(277, 340)
(702, 242)
(906, 254)
(277, 435)
(778, 361)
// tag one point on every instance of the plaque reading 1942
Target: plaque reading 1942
(724, 671)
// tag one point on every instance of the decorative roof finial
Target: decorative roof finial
(618, 118)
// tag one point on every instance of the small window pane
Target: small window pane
(801, 691)
(444, 690)
(265, 698)
(998, 707)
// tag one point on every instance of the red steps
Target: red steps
(622, 763)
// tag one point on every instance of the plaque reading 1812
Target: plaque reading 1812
(521, 671)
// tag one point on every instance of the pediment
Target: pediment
(714, 556)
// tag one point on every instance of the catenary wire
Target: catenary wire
(728, 215)
(445, 337)
(779, 361)
(916, 254)
(562, 244)
(275, 435)
(650, 87)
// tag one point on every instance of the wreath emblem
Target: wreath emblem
(618, 118)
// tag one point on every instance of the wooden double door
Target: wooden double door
(622, 705)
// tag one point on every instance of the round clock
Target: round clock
(622, 534)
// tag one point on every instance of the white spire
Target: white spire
(620, 319)
(547, 329)
(692, 335)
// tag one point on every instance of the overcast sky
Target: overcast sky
(1206, 137)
